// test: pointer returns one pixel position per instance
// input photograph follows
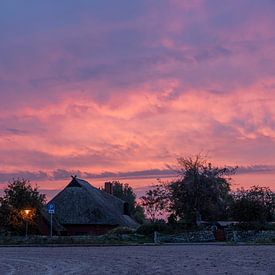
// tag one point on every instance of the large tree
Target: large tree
(18, 197)
(126, 193)
(201, 190)
(256, 204)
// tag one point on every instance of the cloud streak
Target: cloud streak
(61, 174)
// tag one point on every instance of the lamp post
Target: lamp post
(27, 212)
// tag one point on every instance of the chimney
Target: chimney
(109, 187)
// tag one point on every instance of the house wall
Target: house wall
(75, 229)
(44, 228)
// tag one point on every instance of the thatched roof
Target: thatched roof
(80, 203)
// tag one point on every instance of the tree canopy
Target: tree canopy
(155, 202)
(126, 193)
(19, 196)
(201, 190)
(256, 204)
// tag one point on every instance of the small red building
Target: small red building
(82, 209)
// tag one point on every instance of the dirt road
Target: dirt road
(184, 259)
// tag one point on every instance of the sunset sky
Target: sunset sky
(119, 89)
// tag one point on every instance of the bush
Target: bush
(75, 240)
(182, 226)
(150, 228)
(258, 226)
(266, 241)
(256, 204)
(121, 230)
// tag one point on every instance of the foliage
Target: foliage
(150, 227)
(181, 225)
(121, 230)
(126, 193)
(138, 214)
(266, 241)
(107, 239)
(258, 226)
(201, 190)
(19, 196)
(155, 202)
(254, 205)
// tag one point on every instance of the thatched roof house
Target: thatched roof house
(81, 208)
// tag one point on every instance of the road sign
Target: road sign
(51, 208)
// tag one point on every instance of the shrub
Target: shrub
(150, 228)
(121, 230)
(258, 226)
(256, 204)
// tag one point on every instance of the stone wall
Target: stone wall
(186, 237)
(208, 236)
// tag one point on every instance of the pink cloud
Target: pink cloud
(130, 91)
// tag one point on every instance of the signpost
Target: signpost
(51, 211)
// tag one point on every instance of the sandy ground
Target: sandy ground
(183, 259)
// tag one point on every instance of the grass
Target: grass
(107, 239)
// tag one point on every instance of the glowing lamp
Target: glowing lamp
(27, 211)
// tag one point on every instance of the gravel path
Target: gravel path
(181, 259)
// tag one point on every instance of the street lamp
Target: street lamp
(27, 212)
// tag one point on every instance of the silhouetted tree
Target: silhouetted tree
(19, 196)
(256, 204)
(126, 193)
(155, 202)
(201, 190)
